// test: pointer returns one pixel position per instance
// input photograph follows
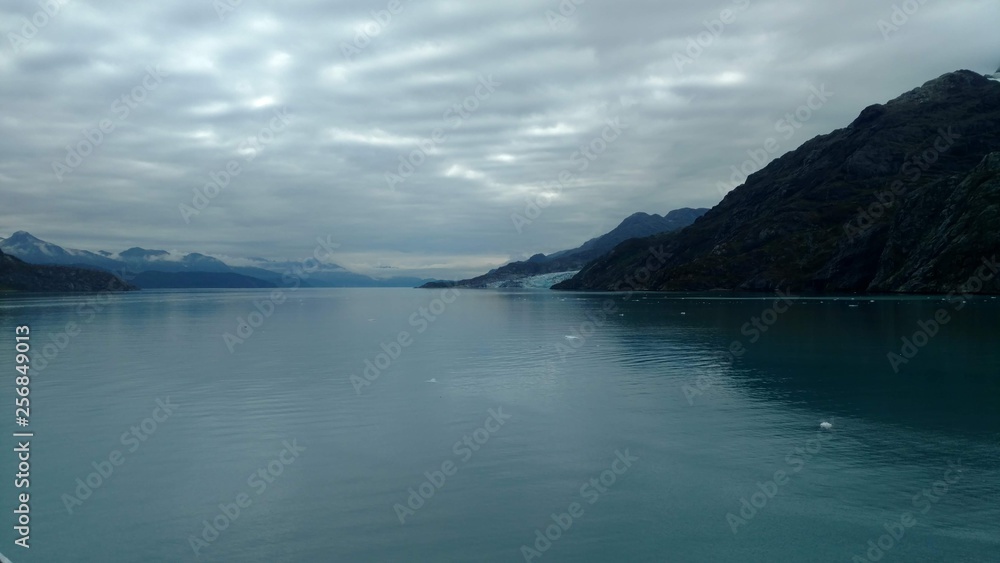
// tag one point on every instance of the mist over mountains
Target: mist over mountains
(149, 268)
(906, 198)
(18, 275)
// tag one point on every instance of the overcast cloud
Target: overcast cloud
(210, 77)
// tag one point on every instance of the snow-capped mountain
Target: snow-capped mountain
(159, 268)
(140, 259)
(36, 251)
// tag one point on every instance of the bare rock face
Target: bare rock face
(904, 199)
(950, 237)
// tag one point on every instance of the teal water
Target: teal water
(651, 384)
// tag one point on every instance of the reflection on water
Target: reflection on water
(582, 376)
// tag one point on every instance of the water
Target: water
(650, 382)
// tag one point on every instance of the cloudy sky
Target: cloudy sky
(315, 105)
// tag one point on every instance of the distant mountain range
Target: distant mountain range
(905, 199)
(15, 274)
(544, 271)
(151, 269)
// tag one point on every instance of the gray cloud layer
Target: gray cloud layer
(181, 86)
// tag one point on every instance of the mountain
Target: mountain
(202, 280)
(136, 254)
(15, 274)
(904, 199)
(36, 251)
(636, 225)
(141, 259)
(537, 271)
(192, 270)
(196, 262)
(327, 275)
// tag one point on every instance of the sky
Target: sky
(438, 138)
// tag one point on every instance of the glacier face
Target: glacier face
(542, 281)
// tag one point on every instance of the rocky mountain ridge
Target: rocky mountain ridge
(565, 263)
(904, 199)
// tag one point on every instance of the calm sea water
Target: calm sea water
(634, 438)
